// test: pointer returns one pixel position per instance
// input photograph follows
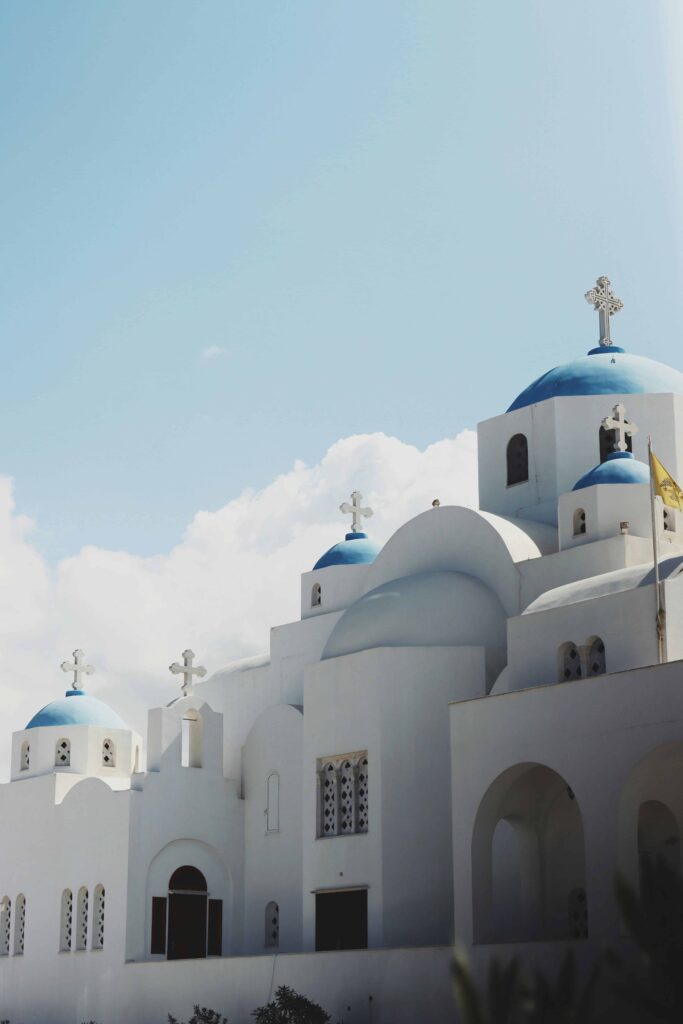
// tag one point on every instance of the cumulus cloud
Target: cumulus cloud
(213, 352)
(232, 575)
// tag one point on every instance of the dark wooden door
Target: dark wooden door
(186, 925)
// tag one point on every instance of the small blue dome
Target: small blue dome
(618, 468)
(606, 370)
(355, 549)
(77, 708)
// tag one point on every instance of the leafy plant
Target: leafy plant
(201, 1015)
(289, 1007)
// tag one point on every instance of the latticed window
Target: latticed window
(5, 925)
(98, 921)
(66, 925)
(316, 596)
(579, 522)
(596, 663)
(272, 934)
(343, 795)
(108, 754)
(25, 756)
(82, 921)
(570, 662)
(63, 753)
(19, 924)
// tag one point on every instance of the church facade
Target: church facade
(465, 734)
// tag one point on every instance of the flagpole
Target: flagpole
(655, 556)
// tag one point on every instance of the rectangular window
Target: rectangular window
(215, 928)
(158, 924)
(341, 920)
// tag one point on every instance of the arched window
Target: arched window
(273, 802)
(19, 924)
(82, 919)
(328, 800)
(272, 932)
(108, 754)
(362, 796)
(669, 517)
(5, 925)
(191, 740)
(63, 753)
(579, 522)
(607, 442)
(316, 596)
(98, 919)
(517, 460)
(596, 664)
(25, 756)
(66, 921)
(569, 662)
(347, 798)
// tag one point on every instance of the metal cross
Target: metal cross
(187, 670)
(621, 428)
(607, 304)
(78, 668)
(355, 510)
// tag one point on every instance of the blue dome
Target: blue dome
(618, 468)
(77, 708)
(355, 549)
(604, 371)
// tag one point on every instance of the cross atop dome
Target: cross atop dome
(621, 428)
(603, 299)
(78, 668)
(355, 510)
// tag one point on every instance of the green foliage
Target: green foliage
(289, 1007)
(201, 1015)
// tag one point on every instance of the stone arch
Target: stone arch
(203, 862)
(651, 811)
(528, 857)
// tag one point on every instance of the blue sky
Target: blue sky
(385, 214)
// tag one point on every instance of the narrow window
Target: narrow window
(273, 802)
(570, 662)
(63, 753)
(25, 756)
(215, 945)
(82, 920)
(108, 754)
(272, 934)
(98, 921)
(136, 763)
(517, 460)
(5, 925)
(66, 922)
(596, 664)
(328, 796)
(362, 796)
(578, 914)
(579, 522)
(608, 442)
(316, 596)
(669, 519)
(19, 924)
(158, 944)
(191, 740)
(347, 799)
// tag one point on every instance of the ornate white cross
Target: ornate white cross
(607, 304)
(187, 670)
(78, 668)
(356, 511)
(622, 429)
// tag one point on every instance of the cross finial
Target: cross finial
(187, 670)
(622, 429)
(78, 668)
(356, 511)
(603, 299)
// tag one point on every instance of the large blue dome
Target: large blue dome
(618, 468)
(77, 708)
(355, 549)
(604, 371)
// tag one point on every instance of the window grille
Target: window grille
(343, 795)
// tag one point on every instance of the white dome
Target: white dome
(429, 609)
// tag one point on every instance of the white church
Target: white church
(465, 734)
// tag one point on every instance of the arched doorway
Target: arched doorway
(187, 914)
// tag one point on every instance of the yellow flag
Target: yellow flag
(665, 485)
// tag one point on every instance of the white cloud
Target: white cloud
(213, 352)
(234, 573)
